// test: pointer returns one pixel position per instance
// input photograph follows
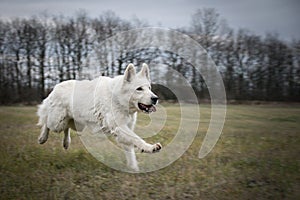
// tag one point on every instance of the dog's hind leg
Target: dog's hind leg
(67, 138)
(44, 134)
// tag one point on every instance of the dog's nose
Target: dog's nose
(154, 99)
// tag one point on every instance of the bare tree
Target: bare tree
(37, 53)
(42, 39)
(13, 56)
(205, 25)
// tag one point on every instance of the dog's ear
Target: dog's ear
(129, 73)
(145, 71)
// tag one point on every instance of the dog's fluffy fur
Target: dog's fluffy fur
(104, 105)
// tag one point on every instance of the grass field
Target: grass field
(257, 157)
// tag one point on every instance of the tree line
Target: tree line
(38, 52)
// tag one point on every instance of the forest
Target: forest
(38, 52)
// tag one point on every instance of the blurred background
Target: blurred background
(255, 45)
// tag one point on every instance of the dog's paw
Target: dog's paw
(66, 143)
(152, 148)
(42, 140)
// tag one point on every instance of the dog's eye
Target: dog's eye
(139, 89)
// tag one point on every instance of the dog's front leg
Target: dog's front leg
(130, 157)
(128, 137)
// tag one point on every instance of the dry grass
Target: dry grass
(257, 157)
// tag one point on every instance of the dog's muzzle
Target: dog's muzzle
(154, 100)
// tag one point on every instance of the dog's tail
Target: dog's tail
(42, 113)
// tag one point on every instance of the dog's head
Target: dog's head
(139, 86)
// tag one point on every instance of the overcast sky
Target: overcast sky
(259, 16)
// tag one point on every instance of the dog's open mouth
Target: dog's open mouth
(146, 108)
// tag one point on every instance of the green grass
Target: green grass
(256, 157)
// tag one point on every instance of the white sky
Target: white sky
(259, 16)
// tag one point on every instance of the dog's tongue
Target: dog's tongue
(152, 109)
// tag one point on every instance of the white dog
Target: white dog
(105, 105)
